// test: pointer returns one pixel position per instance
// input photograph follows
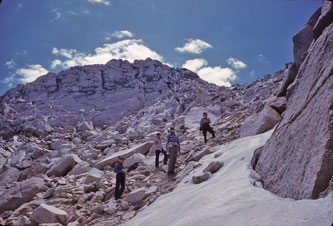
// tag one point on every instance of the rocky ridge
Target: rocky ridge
(72, 152)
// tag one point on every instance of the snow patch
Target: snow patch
(229, 198)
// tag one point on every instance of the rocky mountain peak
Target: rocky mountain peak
(109, 91)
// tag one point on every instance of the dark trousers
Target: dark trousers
(210, 130)
(157, 159)
(120, 185)
(173, 158)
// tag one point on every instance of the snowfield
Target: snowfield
(229, 197)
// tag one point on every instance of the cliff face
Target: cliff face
(297, 161)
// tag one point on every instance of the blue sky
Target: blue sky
(224, 41)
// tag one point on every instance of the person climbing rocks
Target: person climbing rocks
(158, 149)
(205, 127)
(119, 169)
(173, 147)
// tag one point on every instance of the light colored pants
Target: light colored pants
(173, 151)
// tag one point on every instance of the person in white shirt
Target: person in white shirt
(158, 149)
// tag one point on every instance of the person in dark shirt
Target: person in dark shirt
(205, 127)
(173, 147)
(119, 169)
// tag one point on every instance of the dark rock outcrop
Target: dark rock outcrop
(297, 160)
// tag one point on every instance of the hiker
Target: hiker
(158, 149)
(119, 169)
(173, 148)
(205, 127)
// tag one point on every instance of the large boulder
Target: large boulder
(197, 179)
(104, 144)
(48, 214)
(260, 122)
(136, 158)
(61, 145)
(296, 162)
(63, 165)
(200, 154)
(112, 159)
(136, 196)
(213, 167)
(9, 175)
(21, 193)
(80, 168)
(279, 104)
(93, 175)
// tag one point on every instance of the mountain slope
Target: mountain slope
(232, 196)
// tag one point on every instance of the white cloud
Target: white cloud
(68, 53)
(263, 59)
(130, 50)
(31, 73)
(237, 64)
(10, 64)
(105, 2)
(195, 64)
(57, 14)
(195, 46)
(217, 75)
(55, 63)
(252, 73)
(122, 34)
(25, 75)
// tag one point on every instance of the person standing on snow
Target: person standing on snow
(173, 147)
(205, 127)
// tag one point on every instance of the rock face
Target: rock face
(260, 122)
(297, 160)
(303, 38)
